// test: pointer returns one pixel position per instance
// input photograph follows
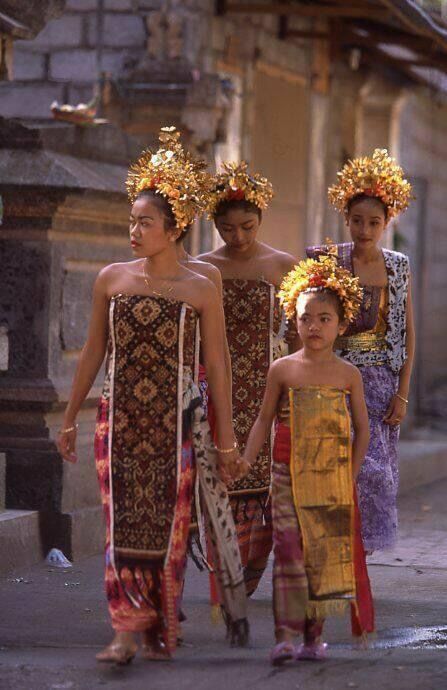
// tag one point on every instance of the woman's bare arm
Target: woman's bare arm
(359, 422)
(90, 360)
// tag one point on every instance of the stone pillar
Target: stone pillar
(65, 217)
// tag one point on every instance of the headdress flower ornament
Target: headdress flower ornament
(235, 182)
(379, 176)
(174, 173)
(318, 275)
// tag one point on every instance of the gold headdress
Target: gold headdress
(174, 173)
(236, 183)
(321, 274)
(379, 176)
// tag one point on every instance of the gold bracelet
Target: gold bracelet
(402, 398)
(224, 451)
(68, 429)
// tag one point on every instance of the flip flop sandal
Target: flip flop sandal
(281, 652)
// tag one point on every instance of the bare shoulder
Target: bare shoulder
(214, 257)
(349, 370)
(281, 366)
(112, 271)
(206, 269)
(282, 261)
(203, 289)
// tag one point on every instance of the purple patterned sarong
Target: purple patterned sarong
(378, 480)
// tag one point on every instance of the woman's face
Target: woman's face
(238, 228)
(147, 229)
(366, 222)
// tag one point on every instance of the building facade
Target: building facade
(295, 89)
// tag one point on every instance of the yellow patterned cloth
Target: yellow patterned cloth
(321, 471)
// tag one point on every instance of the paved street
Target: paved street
(53, 622)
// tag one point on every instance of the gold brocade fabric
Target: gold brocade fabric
(373, 340)
(320, 468)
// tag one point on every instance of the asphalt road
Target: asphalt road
(53, 622)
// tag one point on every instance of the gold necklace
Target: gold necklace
(151, 287)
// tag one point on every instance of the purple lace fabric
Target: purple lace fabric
(378, 480)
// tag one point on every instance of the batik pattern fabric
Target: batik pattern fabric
(145, 461)
(378, 480)
(257, 333)
(291, 576)
(397, 265)
(218, 533)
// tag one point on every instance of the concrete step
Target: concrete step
(20, 544)
(422, 459)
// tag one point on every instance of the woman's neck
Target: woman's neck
(247, 254)
(163, 265)
(182, 254)
(366, 254)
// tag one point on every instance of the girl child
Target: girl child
(380, 341)
(146, 315)
(319, 561)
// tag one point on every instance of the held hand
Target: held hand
(396, 412)
(243, 467)
(226, 465)
(67, 445)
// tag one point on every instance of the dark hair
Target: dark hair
(236, 205)
(325, 294)
(357, 198)
(163, 205)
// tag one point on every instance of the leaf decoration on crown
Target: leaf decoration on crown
(379, 176)
(175, 174)
(318, 275)
(235, 182)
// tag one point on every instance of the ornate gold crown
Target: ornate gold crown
(175, 174)
(379, 177)
(235, 182)
(321, 274)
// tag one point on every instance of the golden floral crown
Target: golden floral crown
(175, 174)
(378, 177)
(321, 274)
(235, 182)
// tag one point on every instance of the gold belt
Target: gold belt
(362, 342)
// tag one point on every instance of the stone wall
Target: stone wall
(421, 138)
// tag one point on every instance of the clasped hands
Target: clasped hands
(233, 467)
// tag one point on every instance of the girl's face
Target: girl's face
(148, 236)
(366, 222)
(238, 228)
(318, 320)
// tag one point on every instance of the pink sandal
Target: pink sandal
(315, 651)
(281, 652)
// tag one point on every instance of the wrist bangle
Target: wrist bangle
(68, 429)
(401, 397)
(224, 451)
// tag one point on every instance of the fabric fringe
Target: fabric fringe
(216, 614)
(242, 502)
(197, 554)
(319, 610)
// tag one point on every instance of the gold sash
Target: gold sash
(321, 472)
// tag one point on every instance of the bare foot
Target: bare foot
(153, 648)
(121, 650)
